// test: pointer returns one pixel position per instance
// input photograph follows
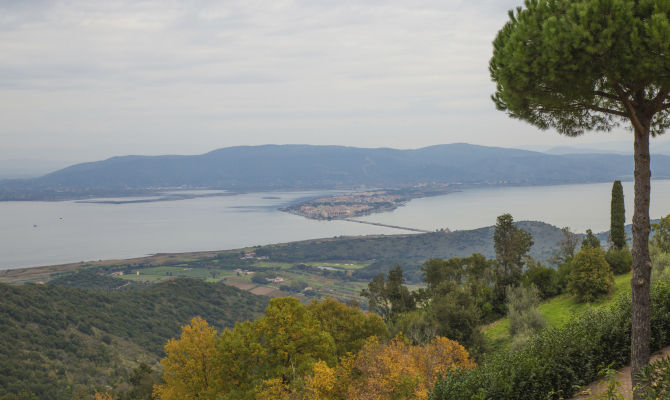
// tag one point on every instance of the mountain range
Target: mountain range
(295, 167)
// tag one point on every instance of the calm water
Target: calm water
(42, 233)
(577, 206)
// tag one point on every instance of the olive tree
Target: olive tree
(583, 65)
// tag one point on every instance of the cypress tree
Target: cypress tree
(617, 217)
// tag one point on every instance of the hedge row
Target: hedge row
(558, 360)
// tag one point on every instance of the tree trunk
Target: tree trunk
(640, 283)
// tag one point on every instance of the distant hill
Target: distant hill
(658, 145)
(409, 251)
(57, 341)
(298, 167)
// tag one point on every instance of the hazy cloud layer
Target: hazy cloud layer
(83, 80)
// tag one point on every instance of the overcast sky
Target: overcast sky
(86, 80)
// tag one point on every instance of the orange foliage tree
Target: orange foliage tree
(394, 370)
(103, 396)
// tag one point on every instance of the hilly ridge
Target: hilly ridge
(296, 167)
(57, 340)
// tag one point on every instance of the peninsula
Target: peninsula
(356, 204)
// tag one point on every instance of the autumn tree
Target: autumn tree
(388, 370)
(348, 326)
(190, 366)
(283, 344)
(590, 65)
(617, 217)
(103, 396)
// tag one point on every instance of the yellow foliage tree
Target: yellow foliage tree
(190, 367)
(274, 389)
(279, 348)
(327, 383)
(387, 371)
(103, 396)
(348, 326)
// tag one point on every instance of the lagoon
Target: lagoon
(44, 233)
(580, 207)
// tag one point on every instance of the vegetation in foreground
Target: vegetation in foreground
(61, 343)
(325, 350)
(584, 65)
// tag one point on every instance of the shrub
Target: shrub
(619, 260)
(524, 317)
(655, 379)
(558, 359)
(661, 231)
(563, 272)
(660, 263)
(590, 276)
(458, 318)
(544, 278)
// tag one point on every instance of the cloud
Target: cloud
(189, 76)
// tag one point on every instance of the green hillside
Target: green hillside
(57, 342)
(557, 311)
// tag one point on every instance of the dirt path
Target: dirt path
(623, 376)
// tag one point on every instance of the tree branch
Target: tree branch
(665, 106)
(629, 106)
(658, 101)
(604, 110)
(606, 95)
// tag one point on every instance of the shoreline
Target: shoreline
(41, 273)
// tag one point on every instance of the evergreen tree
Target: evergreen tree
(511, 245)
(388, 296)
(617, 217)
(590, 65)
(591, 275)
(590, 240)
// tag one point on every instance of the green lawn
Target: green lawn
(336, 265)
(557, 311)
(329, 286)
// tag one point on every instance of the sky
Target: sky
(87, 80)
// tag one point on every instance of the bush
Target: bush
(558, 359)
(544, 278)
(458, 317)
(655, 379)
(620, 260)
(524, 317)
(660, 263)
(260, 278)
(562, 273)
(590, 276)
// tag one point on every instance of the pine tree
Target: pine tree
(585, 65)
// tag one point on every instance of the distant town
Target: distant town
(343, 206)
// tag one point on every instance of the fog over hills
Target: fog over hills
(293, 167)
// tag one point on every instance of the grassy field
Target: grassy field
(322, 283)
(556, 311)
